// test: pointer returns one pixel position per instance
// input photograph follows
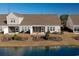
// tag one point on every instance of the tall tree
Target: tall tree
(63, 19)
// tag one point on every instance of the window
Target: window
(12, 20)
(22, 28)
(0, 29)
(38, 29)
(42, 29)
(16, 29)
(50, 28)
(53, 29)
(76, 29)
(26, 28)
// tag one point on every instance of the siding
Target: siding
(18, 20)
(23, 28)
(69, 23)
(57, 28)
(26, 28)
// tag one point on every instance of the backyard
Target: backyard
(29, 40)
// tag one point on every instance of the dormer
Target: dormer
(13, 19)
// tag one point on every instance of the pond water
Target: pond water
(40, 51)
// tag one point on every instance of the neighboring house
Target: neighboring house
(34, 23)
(73, 23)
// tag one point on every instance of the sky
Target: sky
(40, 8)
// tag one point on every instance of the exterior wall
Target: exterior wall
(76, 32)
(5, 29)
(71, 26)
(20, 20)
(11, 16)
(0, 28)
(24, 28)
(46, 27)
(31, 30)
(69, 23)
(57, 28)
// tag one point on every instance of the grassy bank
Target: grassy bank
(67, 40)
(36, 43)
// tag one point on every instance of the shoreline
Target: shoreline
(35, 43)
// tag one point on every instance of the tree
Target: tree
(63, 19)
(47, 35)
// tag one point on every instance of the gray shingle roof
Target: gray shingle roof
(75, 19)
(2, 19)
(41, 20)
(35, 19)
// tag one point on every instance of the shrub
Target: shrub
(2, 32)
(22, 32)
(28, 32)
(15, 37)
(5, 38)
(55, 38)
(76, 37)
(47, 35)
(55, 32)
(62, 30)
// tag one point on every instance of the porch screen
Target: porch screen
(38, 29)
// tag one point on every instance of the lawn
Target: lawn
(67, 40)
(67, 35)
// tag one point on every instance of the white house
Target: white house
(73, 23)
(33, 23)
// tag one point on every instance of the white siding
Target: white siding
(0, 28)
(5, 29)
(56, 28)
(77, 31)
(69, 23)
(20, 20)
(17, 19)
(46, 28)
(31, 30)
(23, 28)
(10, 17)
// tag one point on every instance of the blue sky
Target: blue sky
(40, 8)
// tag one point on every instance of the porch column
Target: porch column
(73, 29)
(45, 28)
(31, 30)
(5, 29)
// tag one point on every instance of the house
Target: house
(73, 23)
(32, 23)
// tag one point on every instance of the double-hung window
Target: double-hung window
(12, 20)
(76, 29)
(51, 28)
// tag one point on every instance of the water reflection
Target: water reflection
(39, 51)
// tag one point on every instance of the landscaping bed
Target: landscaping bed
(20, 37)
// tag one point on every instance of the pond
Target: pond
(40, 51)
